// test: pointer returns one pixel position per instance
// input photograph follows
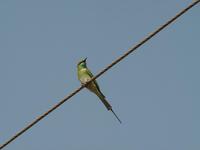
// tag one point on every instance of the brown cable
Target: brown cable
(100, 73)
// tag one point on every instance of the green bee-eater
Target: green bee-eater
(84, 75)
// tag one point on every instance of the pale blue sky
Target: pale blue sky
(155, 91)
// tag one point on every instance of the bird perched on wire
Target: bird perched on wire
(84, 75)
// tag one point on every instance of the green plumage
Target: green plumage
(84, 75)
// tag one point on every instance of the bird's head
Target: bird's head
(82, 63)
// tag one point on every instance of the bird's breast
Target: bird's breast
(83, 75)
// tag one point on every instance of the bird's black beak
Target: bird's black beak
(85, 59)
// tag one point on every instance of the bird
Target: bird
(85, 75)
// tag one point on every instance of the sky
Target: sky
(154, 91)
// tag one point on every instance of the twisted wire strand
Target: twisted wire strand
(195, 2)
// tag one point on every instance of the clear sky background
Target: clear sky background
(155, 91)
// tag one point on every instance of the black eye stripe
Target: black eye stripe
(80, 62)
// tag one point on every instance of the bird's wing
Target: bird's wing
(95, 82)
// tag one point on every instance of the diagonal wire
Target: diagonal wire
(100, 73)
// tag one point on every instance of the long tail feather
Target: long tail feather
(104, 101)
(108, 106)
(116, 116)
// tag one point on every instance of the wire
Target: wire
(100, 73)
